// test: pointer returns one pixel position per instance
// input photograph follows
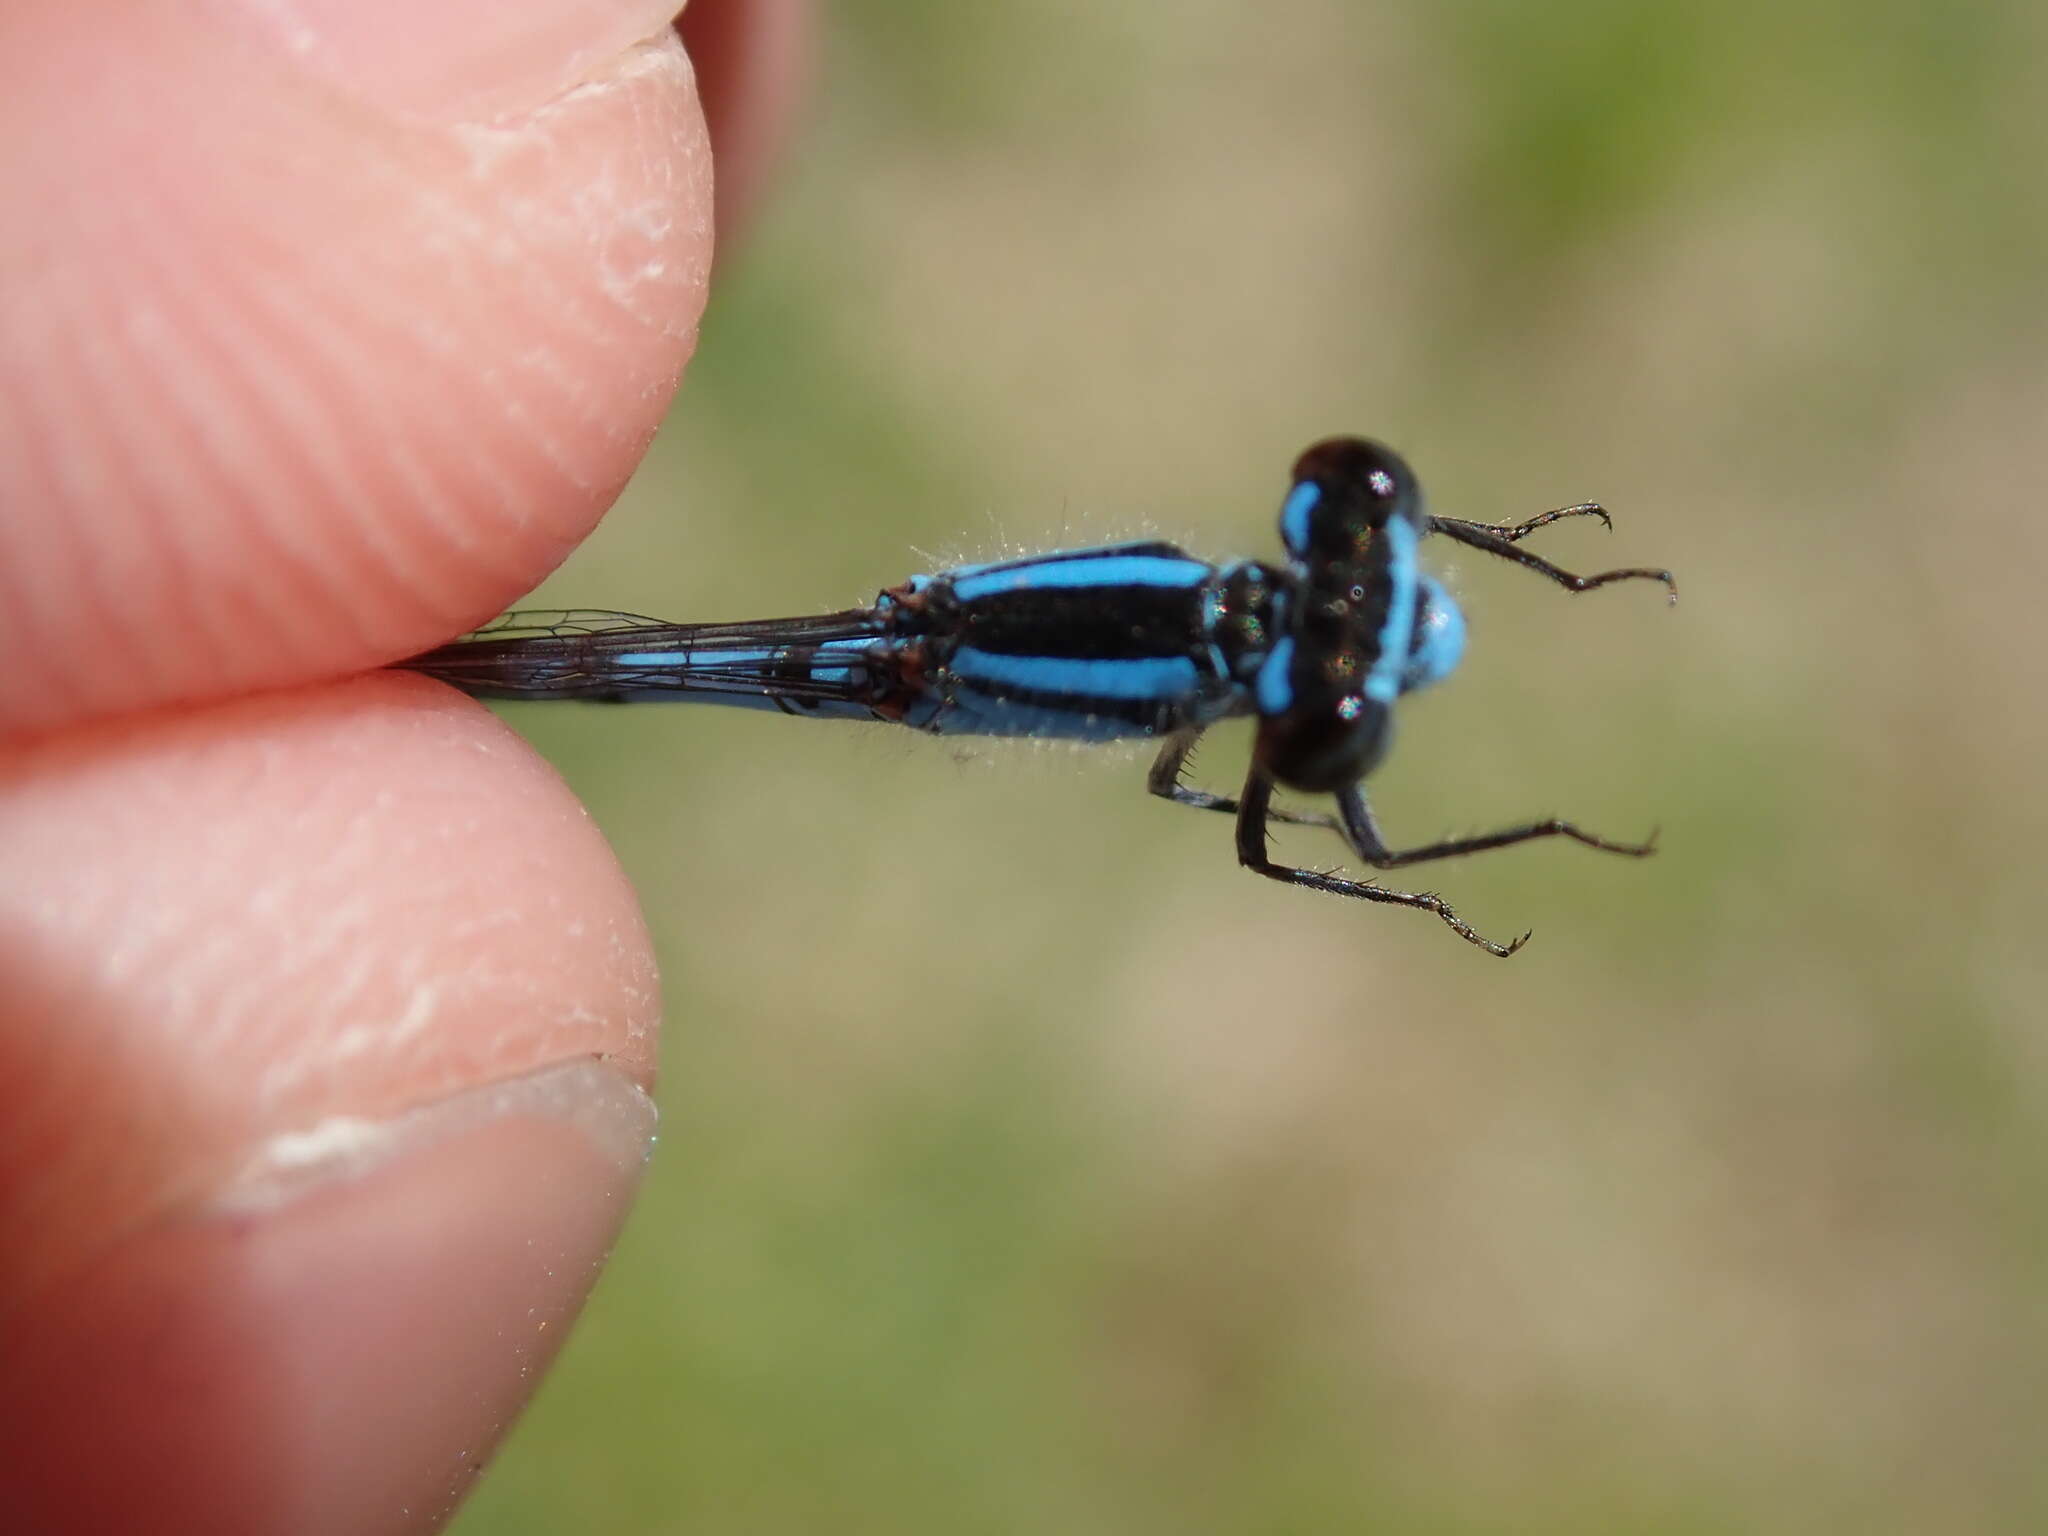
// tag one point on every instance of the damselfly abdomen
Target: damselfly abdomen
(1126, 640)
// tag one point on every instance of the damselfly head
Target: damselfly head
(1347, 489)
(1354, 610)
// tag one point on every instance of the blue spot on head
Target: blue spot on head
(1294, 516)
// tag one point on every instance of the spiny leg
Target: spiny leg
(1163, 780)
(1495, 542)
(1514, 532)
(1253, 812)
(1362, 832)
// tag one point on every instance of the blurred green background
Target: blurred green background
(1028, 1167)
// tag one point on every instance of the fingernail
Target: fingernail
(336, 1343)
(465, 60)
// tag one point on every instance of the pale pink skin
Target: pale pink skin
(327, 327)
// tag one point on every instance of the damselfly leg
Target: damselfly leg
(1255, 810)
(1164, 780)
(1501, 540)
(1356, 824)
(1362, 832)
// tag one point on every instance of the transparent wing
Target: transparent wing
(593, 653)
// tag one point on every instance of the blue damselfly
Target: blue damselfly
(1132, 640)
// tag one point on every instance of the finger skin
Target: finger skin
(221, 925)
(292, 383)
(754, 60)
(343, 1363)
(227, 928)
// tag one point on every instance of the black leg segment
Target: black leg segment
(1164, 781)
(1515, 532)
(1254, 810)
(1362, 832)
(1501, 542)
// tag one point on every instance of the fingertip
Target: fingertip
(292, 383)
(323, 1073)
(335, 1344)
(754, 61)
(232, 923)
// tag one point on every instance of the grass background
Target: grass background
(1028, 1167)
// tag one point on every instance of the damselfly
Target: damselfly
(1133, 640)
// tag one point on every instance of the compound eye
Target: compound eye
(1358, 466)
(1438, 642)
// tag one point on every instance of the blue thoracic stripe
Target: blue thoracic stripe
(1383, 682)
(1273, 689)
(1105, 570)
(1132, 547)
(1144, 677)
